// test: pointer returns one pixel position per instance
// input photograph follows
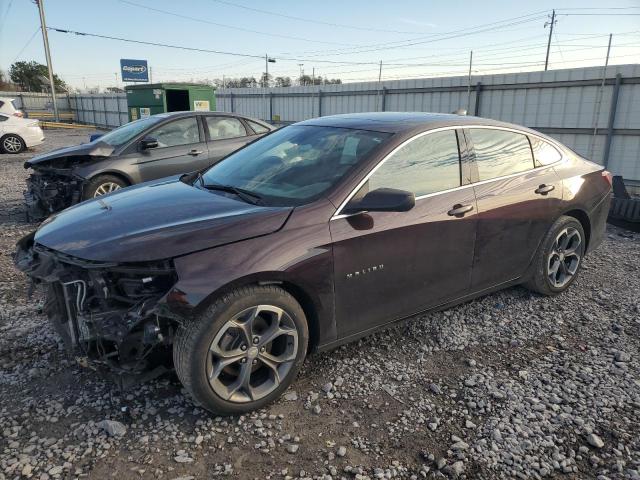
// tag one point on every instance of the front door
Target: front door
(181, 149)
(224, 135)
(518, 201)
(391, 265)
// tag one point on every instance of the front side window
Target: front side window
(296, 164)
(428, 164)
(177, 132)
(544, 153)
(128, 131)
(224, 127)
(499, 152)
(3, 118)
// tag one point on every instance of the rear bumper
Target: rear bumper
(33, 136)
(598, 220)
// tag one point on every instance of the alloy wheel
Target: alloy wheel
(564, 258)
(105, 188)
(252, 354)
(12, 144)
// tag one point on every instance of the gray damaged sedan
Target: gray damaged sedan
(143, 150)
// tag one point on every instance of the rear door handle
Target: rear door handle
(544, 189)
(459, 210)
(195, 153)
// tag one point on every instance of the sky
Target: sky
(343, 39)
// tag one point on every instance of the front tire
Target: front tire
(559, 257)
(12, 144)
(101, 185)
(243, 351)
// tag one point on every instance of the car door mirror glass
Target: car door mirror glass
(382, 200)
(148, 142)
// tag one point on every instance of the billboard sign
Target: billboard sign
(134, 70)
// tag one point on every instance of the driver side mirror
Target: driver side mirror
(148, 142)
(382, 200)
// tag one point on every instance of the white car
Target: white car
(17, 134)
(8, 107)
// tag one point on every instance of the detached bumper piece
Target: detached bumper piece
(47, 193)
(111, 316)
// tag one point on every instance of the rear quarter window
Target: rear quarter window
(544, 153)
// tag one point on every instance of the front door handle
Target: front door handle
(195, 153)
(459, 210)
(544, 189)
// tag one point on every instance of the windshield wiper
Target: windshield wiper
(246, 195)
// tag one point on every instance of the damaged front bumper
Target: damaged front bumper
(51, 190)
(113, 316)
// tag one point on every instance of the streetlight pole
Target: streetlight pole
(47, 53)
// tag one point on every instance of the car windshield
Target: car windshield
(296, 164)
(126, 132)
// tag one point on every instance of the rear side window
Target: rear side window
(257, 127)
(544, 153)
(428, 164)
(224, 127)
(3, 118)
(499, 152)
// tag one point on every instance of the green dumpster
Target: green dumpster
(151, 98)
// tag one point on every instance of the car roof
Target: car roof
(405, 122)
(187, 113)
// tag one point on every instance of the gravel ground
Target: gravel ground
(512, 385)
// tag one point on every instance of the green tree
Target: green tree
(31, 76)
(283, 81)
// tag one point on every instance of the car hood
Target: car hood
(156, 220)
(93, 149)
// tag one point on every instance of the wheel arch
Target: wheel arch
(584, 220)
(304, 296)
(114, 173)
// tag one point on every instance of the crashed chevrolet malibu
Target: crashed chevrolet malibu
(143, 150)
(308, 238)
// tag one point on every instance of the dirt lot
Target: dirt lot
(511, 385)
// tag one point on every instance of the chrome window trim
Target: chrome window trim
(337, 216)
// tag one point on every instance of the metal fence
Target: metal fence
(566, 104)
(103, 110)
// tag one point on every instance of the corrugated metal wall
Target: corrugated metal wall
(561, 103)
(102, 110)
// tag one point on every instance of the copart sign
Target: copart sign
(134, 70)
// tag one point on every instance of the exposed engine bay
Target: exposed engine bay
(110, 315)
(50, 190)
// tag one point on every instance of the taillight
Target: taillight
(18, 113)
(608, 177)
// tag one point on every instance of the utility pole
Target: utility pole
(313, 76)
(223, 82)
(116, 74)
(380, 72)
(150, 75)
(469, 83)
(301, 72)
(596, 110)
(551, 24)
(47, 53)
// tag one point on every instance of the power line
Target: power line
(208, 22)
(26, 44)
(309, 20)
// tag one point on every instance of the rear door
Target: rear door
(225, 134)
(389, 265)
(517, 203)
(181, 149)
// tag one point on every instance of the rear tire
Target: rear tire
(101, 185)
(559, 257)
(243, 351)
(12, 143)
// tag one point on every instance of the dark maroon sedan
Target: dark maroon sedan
(310, 237)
